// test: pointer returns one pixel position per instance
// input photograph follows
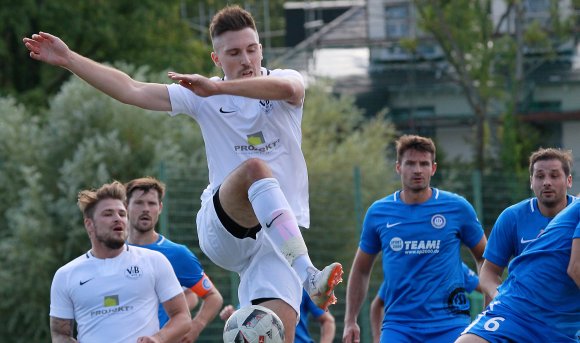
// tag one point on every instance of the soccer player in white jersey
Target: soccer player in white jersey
(257, 197)
(521, 223)
(113, 290)
(419, 231)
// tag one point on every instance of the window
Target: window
(397, 20)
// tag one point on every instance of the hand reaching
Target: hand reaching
(47, 48)
(198, 84)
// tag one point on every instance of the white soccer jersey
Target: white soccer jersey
(236, 128)
(114, 299)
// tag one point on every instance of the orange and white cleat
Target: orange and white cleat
(320, 285)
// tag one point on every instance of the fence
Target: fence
(337, 211)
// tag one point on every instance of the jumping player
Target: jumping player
(257, 197)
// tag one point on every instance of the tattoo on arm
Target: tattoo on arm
(61, 330)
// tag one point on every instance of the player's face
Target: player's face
(144, 209)
(549, 182)
(416, 169)
(109, 223)
(238, 53)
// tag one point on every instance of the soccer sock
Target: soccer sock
(279, 223)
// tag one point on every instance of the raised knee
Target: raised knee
(256, 169)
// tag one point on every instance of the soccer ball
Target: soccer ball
(254, 324)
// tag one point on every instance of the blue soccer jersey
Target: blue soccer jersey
(469, 277)
(424, 282)
(538, 284)
(514, 229)
(185, 264)
(306, 307)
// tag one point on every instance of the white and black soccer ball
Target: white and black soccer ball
(254, 324)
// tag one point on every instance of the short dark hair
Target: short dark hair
(414, 142)
(564, 156)
(145, 184)
(231, 18)
(88, 199)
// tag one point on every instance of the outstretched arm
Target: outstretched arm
(118, 85)
(290, 89)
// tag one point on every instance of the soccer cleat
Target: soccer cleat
(320, 285)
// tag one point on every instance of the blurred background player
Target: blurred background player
(145, 203)
(419, 230)
(522, 223)
(113, 291)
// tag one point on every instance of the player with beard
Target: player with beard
(113, 290)
(520, 224)
(144, 198)
(419, 230)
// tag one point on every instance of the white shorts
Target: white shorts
(264, 272)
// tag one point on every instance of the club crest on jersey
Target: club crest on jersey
(438, 221)
(133, 272)
(266, 106)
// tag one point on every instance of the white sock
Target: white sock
(279, 223)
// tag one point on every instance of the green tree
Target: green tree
(146, 32)
(489, 64)
(85, 139)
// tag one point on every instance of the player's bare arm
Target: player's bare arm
(179, 319)
(356, 291)
(574, 265)
(289, 89)
(327, 327)
(490, 278)
(118, 85)
(212, 302)
(61, 330)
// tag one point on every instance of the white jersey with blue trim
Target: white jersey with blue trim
(424, 280)
(538, 284)
(516, 227)
(236, 128)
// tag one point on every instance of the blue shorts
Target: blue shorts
(406, 334)
(497, 324)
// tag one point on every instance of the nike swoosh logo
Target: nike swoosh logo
(83, 282)
(272, 222)
(225, 111)
(525, 241)
(389, 225)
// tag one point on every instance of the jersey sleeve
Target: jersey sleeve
(61, 305)
(500, 247)
(182, 100)
(470, 277)
(166, 284)
(187, 267)
(471, 230)
(370, 241)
